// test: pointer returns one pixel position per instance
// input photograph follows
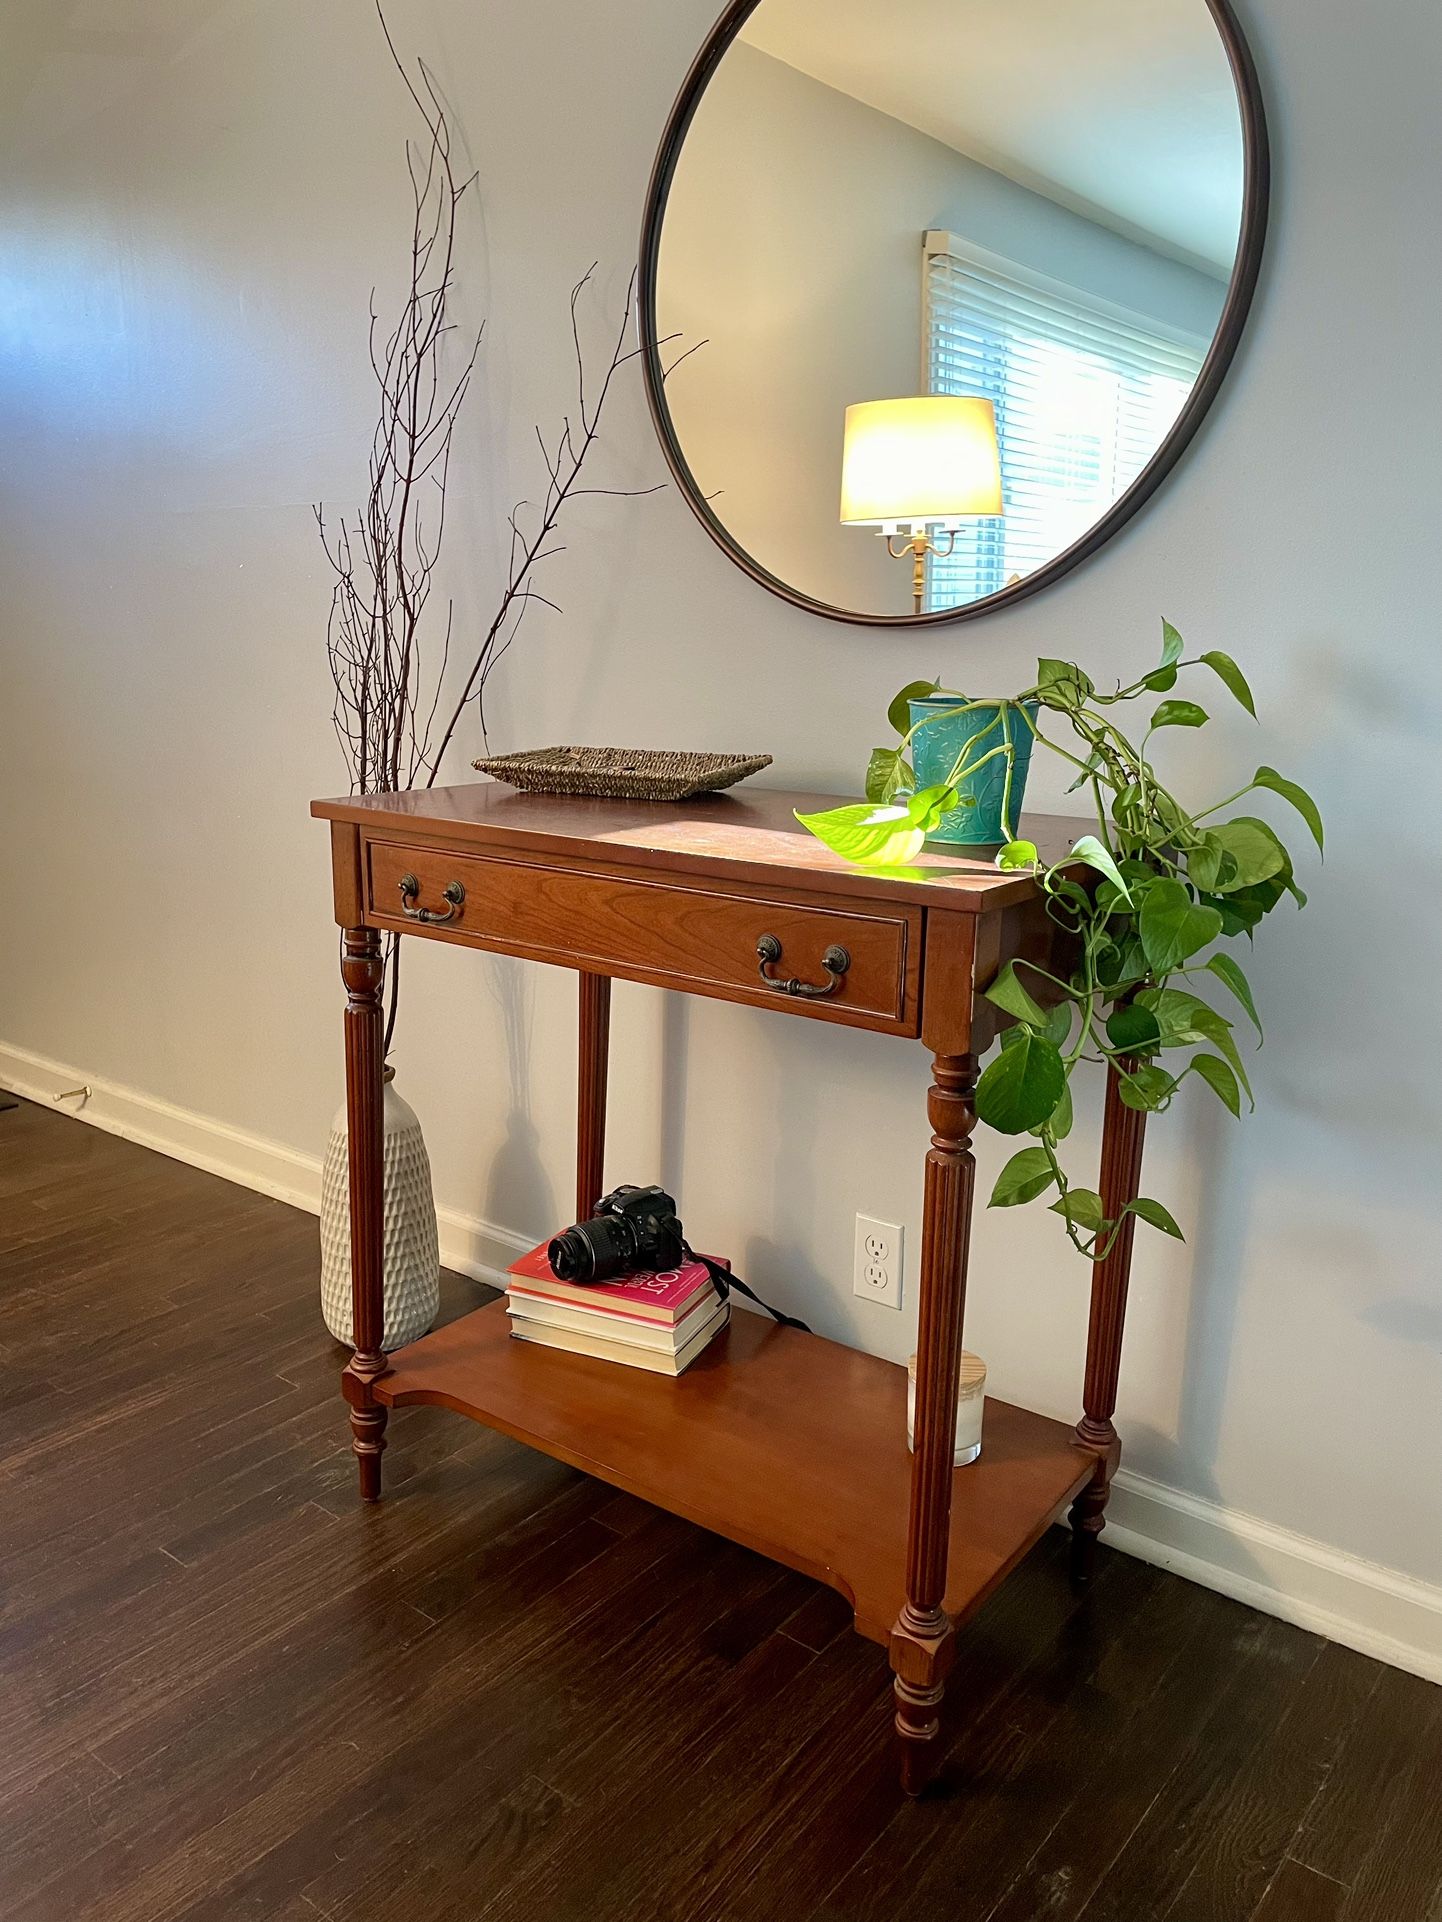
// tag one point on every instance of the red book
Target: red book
(662, 1298)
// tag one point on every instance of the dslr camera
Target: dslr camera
(631, 1228)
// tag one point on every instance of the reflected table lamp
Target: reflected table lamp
(911, 466)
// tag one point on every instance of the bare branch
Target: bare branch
(389, 688)
(386, 697)
(564, 469)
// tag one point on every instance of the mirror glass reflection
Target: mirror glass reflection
(1030, 205)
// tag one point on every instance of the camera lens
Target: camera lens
(592, 1251)
(570, 1256)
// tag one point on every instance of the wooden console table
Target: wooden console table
(790, 1444)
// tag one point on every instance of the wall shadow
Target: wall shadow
(518, 1187)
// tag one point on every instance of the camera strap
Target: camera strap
(725, 1281)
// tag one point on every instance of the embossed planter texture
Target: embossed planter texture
(935, 747)
(412, 1285)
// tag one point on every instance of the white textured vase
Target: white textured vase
(412, 1286)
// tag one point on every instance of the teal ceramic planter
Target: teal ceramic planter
(936, 747)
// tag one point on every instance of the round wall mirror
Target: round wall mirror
(935, 293)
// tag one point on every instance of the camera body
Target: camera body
(632, 1228)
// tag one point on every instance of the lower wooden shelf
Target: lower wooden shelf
(789, 1444)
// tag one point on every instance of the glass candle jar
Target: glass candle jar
(970, 1399)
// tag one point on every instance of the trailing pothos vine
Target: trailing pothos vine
(1168, 883)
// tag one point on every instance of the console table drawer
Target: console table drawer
(664, 933)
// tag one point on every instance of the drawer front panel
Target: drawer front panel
(662, 932)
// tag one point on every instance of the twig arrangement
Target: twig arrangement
(388, 692)
(533, 524)
(385, 559)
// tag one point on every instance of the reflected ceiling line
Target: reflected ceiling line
(1006, 167)
(1128, 119)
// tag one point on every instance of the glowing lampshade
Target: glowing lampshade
(930, 458)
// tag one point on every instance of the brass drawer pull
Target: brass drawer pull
(411, 887)
(835, 961)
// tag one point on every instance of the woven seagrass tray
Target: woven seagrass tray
(621, 773)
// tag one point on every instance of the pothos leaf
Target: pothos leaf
(1060, 1119)
(1062, 683)
(871, 836)
(1268, 777)
(1256, 851)
(1232, 677)
(1090, 850)
(1133, 1030)
(899, 712)
(1226, 969)
(1125, 966)
(1177, 1014)
(1082, 1207)
(1017, 854)
(1214, 1028)
(1155, 1215)
(1184, 1019)
(1146, 1088)
(1179, 714)
(1220, 1079)
(886, 771)
(1243, 909)
(1173, 926)
(928, 804)
(1027, 1175)
(1172, 645)
(1110, 902)
(1022, 1087)
(1208, 862)
(1058, 1024)
(1007, 992)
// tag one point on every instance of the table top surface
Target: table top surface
(749, 834)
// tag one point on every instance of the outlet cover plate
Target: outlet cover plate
(876, 1269)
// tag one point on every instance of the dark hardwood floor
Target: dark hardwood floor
(230, 1694)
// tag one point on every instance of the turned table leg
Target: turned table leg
(363, 975)
(922, 1642)
(1122, 1131)
(591, 1102)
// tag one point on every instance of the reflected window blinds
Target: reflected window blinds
(1084, 392)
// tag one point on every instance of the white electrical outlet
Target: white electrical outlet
(876, 1274)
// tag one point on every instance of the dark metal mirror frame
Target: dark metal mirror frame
(1246, 267)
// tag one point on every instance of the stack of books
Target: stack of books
(660, 1322)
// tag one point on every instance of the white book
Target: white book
(667, 1338)
(628, 1354)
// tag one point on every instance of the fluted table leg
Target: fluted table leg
(923, 1640)
(1121, 1173)
(363, 975)
(594, 1054)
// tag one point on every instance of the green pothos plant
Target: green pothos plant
(1169, 883)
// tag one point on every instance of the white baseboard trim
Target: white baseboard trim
(470, 1245)
(1362, 1604)
(1349, 1600)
